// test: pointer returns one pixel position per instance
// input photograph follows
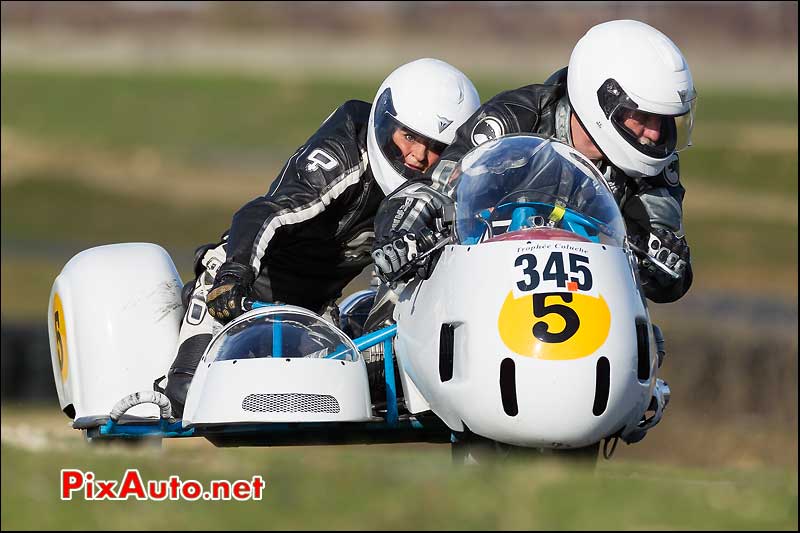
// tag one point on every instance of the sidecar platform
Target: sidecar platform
(407, 429)
(391, 428)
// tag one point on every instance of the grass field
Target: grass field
(381, 487)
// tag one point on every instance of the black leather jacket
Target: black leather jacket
(312, 232)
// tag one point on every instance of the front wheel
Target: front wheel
(468, 448)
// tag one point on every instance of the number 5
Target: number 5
(540, 310)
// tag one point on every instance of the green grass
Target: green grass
(26, 287)
(747, 171)
(719, 242)
(196, 116)
(749, 107)
(50, 209)
(187, 114)
(395, 487)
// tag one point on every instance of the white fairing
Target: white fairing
(555, 395)
(260, 388)
(118, 321)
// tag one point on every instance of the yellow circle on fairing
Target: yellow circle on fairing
(60, 328)
(516, 324)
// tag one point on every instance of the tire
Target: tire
(469, 449)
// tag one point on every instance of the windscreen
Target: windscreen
(524, 181)
(281, 333)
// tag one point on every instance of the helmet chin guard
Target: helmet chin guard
(427, 99)
(625, 76)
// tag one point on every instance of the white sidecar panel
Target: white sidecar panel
(492, 317)
(279, 364)
(114, 317)
(278, 390)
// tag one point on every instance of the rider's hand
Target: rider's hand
(404, 229)
(402, 247)
(232, 283)
(672, 251)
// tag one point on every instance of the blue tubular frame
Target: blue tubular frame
(391, 391)
(392, 429)
(385, 336)
(277, 331)
(163, 428)
(277, 338)
(573, 221)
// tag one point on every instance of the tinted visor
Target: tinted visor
(654, 135)
(389, 130)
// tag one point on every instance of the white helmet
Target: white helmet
(427, 97)
(623, 68)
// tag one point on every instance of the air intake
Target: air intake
(290, 403)
(601, 386)
(508, 387)
(643, 347)
(446, 342)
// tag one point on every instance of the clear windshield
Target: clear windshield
(523, 181)
(283, 333)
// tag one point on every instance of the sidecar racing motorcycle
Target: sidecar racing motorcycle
(531, 332)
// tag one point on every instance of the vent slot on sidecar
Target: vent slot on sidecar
(446, 344)
(643, 346)
(601, 387)
(290, 403)
(508, 387)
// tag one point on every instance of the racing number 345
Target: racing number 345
(555, 323)
(554, 270)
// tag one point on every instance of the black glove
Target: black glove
(232, 283)
(405, 228)
(402, 248)
(671, 251)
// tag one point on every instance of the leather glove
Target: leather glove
(405, 227)
(399, 250)
(671, 251)
(232, 283)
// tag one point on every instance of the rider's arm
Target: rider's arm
(654, 209)
(319, 173)
(414, 211)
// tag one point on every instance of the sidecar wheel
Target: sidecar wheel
(149, 442)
